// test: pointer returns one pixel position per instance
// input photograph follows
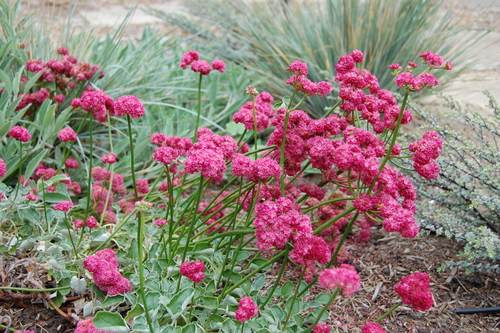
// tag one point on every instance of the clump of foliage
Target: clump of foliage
(266, 36)
(464, 202)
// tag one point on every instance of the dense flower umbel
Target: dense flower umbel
(67, 134)
(193, 270)
(301, 83)
(414, 291)
(97, 103)
(246, 309)
(20, 133)
(192, 58)
(106, 275)
(372, 327)
(426, 151)
(87, 326)
(128, 105)
(3, 168)
(64, 206)
(322, 328)
(257, 115)
(344, 277)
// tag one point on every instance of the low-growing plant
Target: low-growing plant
(183, 239)
(266, 36)
(463, 204)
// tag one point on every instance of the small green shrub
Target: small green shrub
(464, 202)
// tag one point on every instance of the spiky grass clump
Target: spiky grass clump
(269, 35)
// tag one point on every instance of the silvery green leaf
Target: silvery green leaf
(78, 285)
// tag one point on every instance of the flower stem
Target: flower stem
(323, 310)
(132, 159)
(379, 319)
(140, 227)
(199, 108)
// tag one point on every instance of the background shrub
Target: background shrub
(464, 202)
(267, 36)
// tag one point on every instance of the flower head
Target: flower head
(201, 66)
(298, 68)
(67, 134)
(129, 105)
(64, 206)
(322, 328)
(20, 133)
(188, 58)
(372, 327)
(87, 326)
(344, 277)
(246, 309)
(193, 270)
(414, 291)
(3, 168)
(109, 158)
(219, 65)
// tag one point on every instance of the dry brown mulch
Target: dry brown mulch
(382, 263)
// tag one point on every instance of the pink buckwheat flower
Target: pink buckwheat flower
(129, 105)
(20, 133)
(188, 58)
(372, 327)
(161, 222)
(142, 185)
(201, 66)
(64, 206)
(87, 326)
(322, 328)
(109, 158)
(193, 270)
(158, 139)
(298, 68)
(67, 134)
(91, 222)
(246, 309)
(3, 168)
(414, 291)
(104, 265)
(59, 98)
(219, 65)
(431, 59)
(32, 197)
(165, 155)
(344, 277)
(448, 66)
(79, 224)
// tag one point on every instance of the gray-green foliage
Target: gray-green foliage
(268, 35)
(464, 202)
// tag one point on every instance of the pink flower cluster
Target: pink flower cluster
(171, 147)
(407, 81)
(128, 105)
(64, 206)
(256, 115)
(322, 328)
(192, 58)
(20, 133)
(87, 326)
(305, 138)
(415, 291)
(91, 222)
(246, 309)
(209, 155)
(67, 134)
(65, 73)
(372, 327)
(106, 275)
(193, 270)
(425, 152)
(97, 103)
(344, 277)
(301, 83)
(259, 170)
(3, 168)
(379, 107)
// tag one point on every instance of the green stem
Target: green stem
(199, 108)
(140, 227)
(277, 281)
(379, 319)
(251, 274)
(89, 184)
(323, 310)
(295, 292)
(132, 159)
(20, 169)
(70, 236)
(35, 290)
